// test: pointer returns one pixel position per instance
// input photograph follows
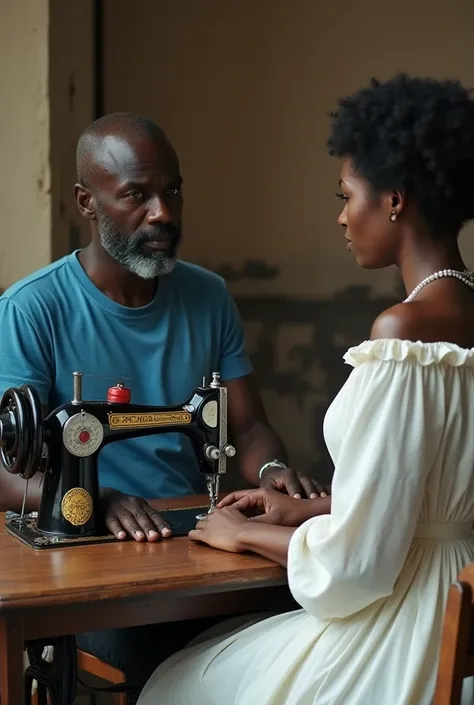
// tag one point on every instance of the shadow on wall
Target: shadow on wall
(297, 349)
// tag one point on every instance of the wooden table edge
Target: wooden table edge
(177, 587)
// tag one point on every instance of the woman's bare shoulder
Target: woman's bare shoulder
(421, 321)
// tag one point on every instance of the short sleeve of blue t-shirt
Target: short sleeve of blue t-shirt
(56, 322)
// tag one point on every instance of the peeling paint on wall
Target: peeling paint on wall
(296, 347)
(250, 270)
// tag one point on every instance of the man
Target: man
(125, 307)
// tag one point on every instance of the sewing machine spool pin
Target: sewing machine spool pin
(77, 388)
(66, 444)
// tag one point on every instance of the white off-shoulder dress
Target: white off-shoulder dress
(372, 577)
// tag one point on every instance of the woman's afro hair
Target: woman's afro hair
(416, 136)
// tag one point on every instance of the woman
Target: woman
(371, 577)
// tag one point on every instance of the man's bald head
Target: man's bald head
(130, 190)
(125, 126)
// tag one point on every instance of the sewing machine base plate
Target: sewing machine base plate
(180, 520)
(27, 531)
(183, 520)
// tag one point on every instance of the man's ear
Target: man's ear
(85, 201)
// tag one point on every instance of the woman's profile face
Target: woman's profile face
(370, 234)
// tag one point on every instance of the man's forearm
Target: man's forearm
(257, 446)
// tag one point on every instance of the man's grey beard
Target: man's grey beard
(128, 253)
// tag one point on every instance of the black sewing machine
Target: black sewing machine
(65, 447)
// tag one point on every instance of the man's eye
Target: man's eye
(136, 195)
(174, 191)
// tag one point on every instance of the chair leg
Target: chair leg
(43, 697)
(30, 696)
(40, 696)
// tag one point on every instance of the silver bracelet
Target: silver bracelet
(273, 463)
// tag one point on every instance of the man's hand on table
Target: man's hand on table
(294, 483)
(133, 516)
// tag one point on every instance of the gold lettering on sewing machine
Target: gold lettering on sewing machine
(157, 418)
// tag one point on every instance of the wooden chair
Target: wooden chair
(456, 661)
(90, 664)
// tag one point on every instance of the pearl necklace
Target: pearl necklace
(466, 277)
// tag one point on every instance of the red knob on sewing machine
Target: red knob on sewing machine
(119, 394)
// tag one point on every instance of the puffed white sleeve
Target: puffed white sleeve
(383, 432)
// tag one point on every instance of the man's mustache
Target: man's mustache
(161, 233)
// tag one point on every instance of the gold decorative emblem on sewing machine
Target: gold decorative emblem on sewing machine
(159, 418)
(76, 506)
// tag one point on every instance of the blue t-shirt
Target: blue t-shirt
(56, 321)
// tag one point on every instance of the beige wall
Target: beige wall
(46, 99)
(243, 88)
(71, 107)
(24, 132)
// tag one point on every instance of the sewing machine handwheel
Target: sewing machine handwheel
(36, 430)
(15, 454)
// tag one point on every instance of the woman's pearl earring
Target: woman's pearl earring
(393, 216)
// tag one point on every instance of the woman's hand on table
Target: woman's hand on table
(229, 530)
(221, 529)
(275, 508)
(133, 516)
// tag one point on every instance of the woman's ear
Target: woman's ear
(396, 203)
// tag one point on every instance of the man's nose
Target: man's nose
(159, 211)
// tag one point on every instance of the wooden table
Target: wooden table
(55, 592)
